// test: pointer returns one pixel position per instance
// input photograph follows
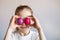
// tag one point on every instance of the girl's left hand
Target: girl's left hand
(36, 23)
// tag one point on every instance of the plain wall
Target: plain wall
(47, 11)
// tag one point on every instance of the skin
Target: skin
(23, 30)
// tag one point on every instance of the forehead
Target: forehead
(25, 13)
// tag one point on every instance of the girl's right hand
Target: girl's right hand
(12, 23)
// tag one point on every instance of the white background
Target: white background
(47, 11)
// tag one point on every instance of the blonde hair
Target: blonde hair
(21, 7)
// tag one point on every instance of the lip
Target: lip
(23, 27)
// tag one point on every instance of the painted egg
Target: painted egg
(20, 21)
(27, 21)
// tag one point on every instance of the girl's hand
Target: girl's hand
(36, 23)
(12, 23)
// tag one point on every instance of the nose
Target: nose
(23, 25)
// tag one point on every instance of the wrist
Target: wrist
(11, 29)
(38, 29)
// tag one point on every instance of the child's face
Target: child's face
(23, 14)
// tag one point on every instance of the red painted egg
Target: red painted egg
(27, 21)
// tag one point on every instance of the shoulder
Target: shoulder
(34, 33)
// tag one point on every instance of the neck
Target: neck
(23, 33)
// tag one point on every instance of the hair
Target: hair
(21, 7)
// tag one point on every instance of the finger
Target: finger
(17, 25)
(10, 20)
(13, 19)
(37, 21)
(32, 21)
(35, 18)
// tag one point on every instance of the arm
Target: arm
(11, 28)
(38, 27)
(41, 34)
(8, 34)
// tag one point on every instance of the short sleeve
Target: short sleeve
(35, 36)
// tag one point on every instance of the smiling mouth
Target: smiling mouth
(23, 27)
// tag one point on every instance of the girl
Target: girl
(20, 29)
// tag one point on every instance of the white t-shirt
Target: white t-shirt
(16, 36)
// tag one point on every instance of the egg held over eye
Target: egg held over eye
(27, 21)
(20, 21)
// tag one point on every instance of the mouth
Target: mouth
(23, 27)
